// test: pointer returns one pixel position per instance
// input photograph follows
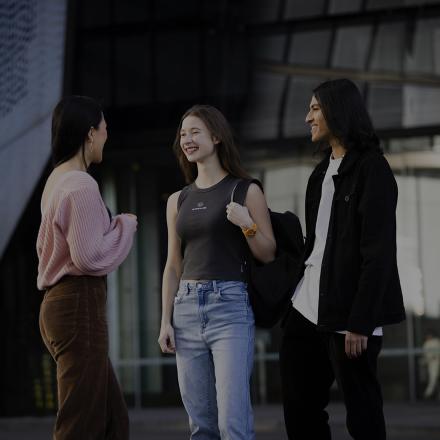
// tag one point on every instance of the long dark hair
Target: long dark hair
(219, 128)
(72, 119)
(346, 116)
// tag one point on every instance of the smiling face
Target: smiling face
(318, 125)
(196, 141)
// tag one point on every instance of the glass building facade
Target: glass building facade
(258, 61)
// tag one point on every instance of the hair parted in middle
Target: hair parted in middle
(220, 129)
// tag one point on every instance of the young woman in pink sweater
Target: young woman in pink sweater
(78, 244)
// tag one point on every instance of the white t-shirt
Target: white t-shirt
(306, 296)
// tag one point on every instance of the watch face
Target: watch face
(250, 232)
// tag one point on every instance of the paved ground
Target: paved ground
(405, 422)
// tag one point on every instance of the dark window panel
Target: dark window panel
(420, 106)
(421, 2)
(270, 48)
(385, 105)
(310, 48)
(388, 48)
(226, 70)
(261, 116)
(178, 9)
(236, 66)
(213, 46)
(215, 9)
(344, 6)
(297, 105)
(96, 70)
(423, 55)
(131, 11)
(351, 47)
(178, 73)
(383, 4)
(134, 82)
(95, 13)
(436, 50)
(262, 11)
(301, 8)
(224, 16)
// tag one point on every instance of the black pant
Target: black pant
(310, 362)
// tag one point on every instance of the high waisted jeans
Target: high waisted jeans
(214, 332)
(74, 328)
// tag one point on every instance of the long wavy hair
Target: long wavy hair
(346, 115)
(219, 128)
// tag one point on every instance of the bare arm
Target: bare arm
(171, 277)
(262, 244)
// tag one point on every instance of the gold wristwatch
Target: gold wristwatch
(251, 231)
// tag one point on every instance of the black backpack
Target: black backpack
(271, 285)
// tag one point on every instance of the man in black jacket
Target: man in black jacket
(350, 285)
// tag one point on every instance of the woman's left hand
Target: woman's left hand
(238, 215)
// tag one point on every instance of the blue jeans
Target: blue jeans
(214, 333)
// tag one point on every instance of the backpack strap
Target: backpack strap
(182, 196)
(240, 190)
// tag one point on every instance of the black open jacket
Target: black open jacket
(359, 286)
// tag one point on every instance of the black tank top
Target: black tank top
(213, 248)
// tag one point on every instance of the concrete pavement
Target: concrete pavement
(405, 421)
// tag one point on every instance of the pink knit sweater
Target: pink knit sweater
(76, 235)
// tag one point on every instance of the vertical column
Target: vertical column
(149, 277)
(109, 196)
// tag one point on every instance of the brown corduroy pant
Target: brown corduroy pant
(73, 325)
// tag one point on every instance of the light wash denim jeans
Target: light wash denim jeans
(214, 333)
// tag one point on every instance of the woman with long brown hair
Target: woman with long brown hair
(207, 319)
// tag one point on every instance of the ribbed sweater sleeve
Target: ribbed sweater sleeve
(97, 245)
